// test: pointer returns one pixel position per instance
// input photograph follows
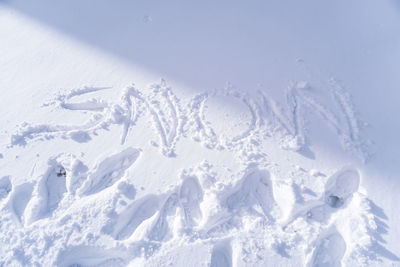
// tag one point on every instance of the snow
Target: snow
(199, 134)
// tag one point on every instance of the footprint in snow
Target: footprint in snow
(122, 226)
(340, 187)
(48, 193)
(19, 198)
(339, 191)
(79, 256)
(329, 251)
(160, 228)
(191, 194)
(188, 196)
(253, 194)
(255, 189)
(5, 186)
(109, 171)
(221, 255)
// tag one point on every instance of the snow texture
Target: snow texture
(105, 163)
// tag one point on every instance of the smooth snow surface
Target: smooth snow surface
(210, 133)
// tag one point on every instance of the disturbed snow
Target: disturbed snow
(78, 213)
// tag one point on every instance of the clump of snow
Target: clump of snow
(292, 143)
(316, 173)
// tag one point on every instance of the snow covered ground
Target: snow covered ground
(210, 133)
